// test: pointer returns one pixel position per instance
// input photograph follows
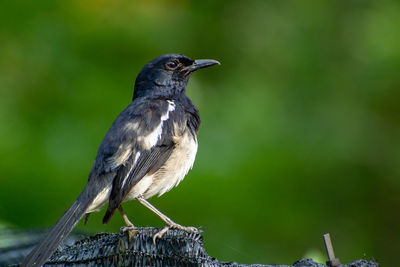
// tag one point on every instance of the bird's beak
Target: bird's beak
(201, 63)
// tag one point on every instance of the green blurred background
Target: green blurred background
(301, 123)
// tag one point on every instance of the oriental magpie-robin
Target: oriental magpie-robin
(147, 151)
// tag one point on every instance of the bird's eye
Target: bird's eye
(172, 65)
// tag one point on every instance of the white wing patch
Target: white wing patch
(130, 169)
(151, 139)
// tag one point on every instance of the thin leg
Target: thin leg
(170, 223)
(130, 228)
(128, 223)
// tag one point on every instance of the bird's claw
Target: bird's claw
(160, 233)
(176, 226)
(130, 229)
(191, 229)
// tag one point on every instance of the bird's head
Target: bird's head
(168, 75)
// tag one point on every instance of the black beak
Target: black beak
(201, 63)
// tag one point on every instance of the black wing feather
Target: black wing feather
(140, 118)
(150, 160)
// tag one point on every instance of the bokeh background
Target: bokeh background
(301, 123)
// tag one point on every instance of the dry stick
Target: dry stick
(332, 262)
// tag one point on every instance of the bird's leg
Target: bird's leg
(130, 228)
(128, 223)
(170, 223)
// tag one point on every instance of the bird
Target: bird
(147, 151)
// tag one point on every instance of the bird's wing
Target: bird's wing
(139, 142)
(148, 162)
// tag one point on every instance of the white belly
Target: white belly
(160, 182)
(171, 173)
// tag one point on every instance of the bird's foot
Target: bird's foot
(131, 230)
(173, 225)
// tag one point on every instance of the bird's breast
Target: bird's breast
(172, 172)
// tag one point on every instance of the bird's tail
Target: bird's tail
(62, 228)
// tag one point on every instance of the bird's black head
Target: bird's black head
(167, 75)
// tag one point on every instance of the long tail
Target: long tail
(60, 231)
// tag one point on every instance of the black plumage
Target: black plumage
(148, 150)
